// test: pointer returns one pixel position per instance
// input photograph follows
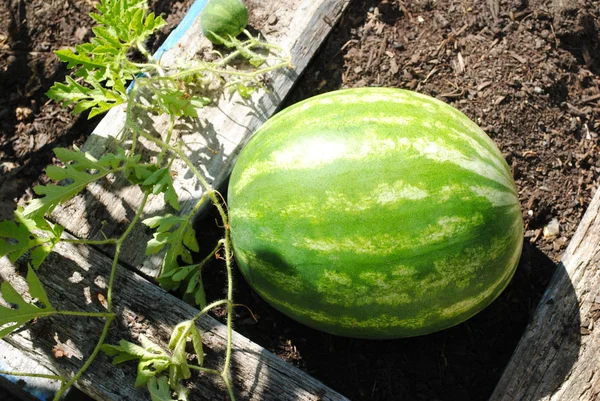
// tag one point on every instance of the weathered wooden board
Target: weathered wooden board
(74, 275)
(34, 388)
(213, 140)
(558, 357)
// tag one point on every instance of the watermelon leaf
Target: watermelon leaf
(28, 233)
(11, 318)
(159, 389)
(182, 333)
(103, 63)
(152, 358)
(178, 236)
(76, 176)
(160, 181)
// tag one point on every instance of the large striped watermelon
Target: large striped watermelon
(375, 213)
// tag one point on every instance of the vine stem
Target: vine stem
(228, 258)
(88, 362)
(90, 241)
(86, 314)
(233, 73)
(205, 370)
(211, 193)
(111, 316)
(40, 375)
(120, 242)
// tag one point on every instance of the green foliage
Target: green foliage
(77, 178)
(179, 103)
(176, 234)
(153, 360)
(159, 389)
(160, 182)
(28, 233)
(97, 98)
(127, 21)
(182, 333)
(11, 318)
(103, 62)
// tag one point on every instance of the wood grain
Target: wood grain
(32, 388)
(558, 357)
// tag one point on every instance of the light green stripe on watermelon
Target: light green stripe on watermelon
(374, 213)
(312, 152)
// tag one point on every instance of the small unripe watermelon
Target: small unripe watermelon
(374, 213)
(224, 18)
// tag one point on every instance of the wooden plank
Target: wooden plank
(558, 357)
(32, 388)
(214, 139)
(74, 275)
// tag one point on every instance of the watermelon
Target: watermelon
(223, 17)
(374, 213)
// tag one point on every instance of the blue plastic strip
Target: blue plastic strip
(37, 392)
(182, 28)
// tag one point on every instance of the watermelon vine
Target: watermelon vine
(106, 76)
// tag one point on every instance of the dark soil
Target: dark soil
(527, 72)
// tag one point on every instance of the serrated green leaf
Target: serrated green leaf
(39, 254)
(245, 91)
(196, 339)
(103, 61)
(25, 234)
(78, 59)
(13, 318)
(183, 271)
(152, 359)
(182, 333)
(53, 195)
(81, 160)
(84, 160)
(157, 243)
(164, 222)
(178, 341)
(113, 160)
(136, 24)
(136, 173)
(176, 102)
(160, 181)
(36, 290)
(22, 240)
(159, 389)
(106, 35)
(97, 98)
(150, 368)
(153, 23)
(200, 295)
(176, 234)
